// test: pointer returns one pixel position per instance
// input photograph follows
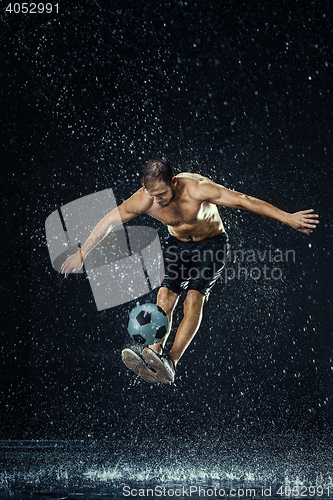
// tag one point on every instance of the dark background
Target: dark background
(240, 92)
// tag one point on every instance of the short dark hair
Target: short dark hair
(157, 170)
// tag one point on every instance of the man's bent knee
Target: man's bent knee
(194, 299)
(167, 299)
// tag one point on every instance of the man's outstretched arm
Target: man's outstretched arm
(304, 221)
(131, 208)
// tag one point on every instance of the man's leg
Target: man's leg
(165, 367)
(167, 300)
(193, 306)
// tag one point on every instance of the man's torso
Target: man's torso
(186, 218)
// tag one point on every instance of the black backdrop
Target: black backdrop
(241, 93)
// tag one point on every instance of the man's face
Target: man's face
(161, 192)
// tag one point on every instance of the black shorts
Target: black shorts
(194, 265)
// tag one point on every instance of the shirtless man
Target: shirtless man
(187, 205)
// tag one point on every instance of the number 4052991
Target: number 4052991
(32, 8)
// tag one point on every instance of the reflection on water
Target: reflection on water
(278, 467)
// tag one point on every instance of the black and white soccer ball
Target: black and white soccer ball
(147, 324)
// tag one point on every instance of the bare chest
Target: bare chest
(178, 214)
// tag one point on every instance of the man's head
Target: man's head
(159, 181)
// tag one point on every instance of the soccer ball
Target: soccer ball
(147, 324)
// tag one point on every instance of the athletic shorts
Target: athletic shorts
(194, 265)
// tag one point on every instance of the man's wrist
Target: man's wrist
(81, 256)
(286, 218)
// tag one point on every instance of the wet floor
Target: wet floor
(271, 467)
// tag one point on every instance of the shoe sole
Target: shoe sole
(153, 360)
(136, 364)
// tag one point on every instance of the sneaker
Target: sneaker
(135, 363)
(162, 364)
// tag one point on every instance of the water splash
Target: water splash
(97, 467)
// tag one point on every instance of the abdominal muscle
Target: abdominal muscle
(198, 231)
(189, 221)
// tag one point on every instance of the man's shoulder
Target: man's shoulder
(140, 201)
(190, 178)
(195, 184)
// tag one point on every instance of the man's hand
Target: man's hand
(72, 264)
(304, 221)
